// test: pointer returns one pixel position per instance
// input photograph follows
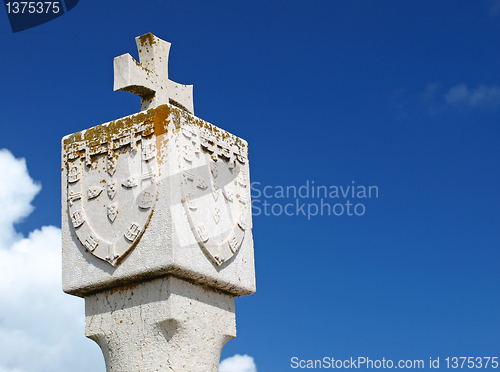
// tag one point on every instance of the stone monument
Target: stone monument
(157, 225)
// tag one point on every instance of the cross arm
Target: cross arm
(149, 79)
(131, 77)
(182, 94)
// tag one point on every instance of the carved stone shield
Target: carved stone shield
(215, 191)
(123, 165)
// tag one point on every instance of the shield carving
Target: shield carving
(215, 191)
(109, 224)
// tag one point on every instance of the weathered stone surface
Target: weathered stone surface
(165, 324)
(149, 79)
(157, 225)
(156, 193)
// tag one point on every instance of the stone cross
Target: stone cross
(149, 79)
(157, 226)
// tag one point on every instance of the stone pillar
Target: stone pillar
(157, 228)
(165, 324)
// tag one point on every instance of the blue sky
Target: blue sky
(402, 95)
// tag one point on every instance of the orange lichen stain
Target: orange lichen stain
(75, 137)
(160, 119)
(106, 133)
(148, 38)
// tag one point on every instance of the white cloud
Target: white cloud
(482, 96)
(457, 94)
(16, 193)
(41, 328)
(9, 370)
(238, 363)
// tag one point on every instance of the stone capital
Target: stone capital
(157, 193)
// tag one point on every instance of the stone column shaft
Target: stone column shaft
(166, 324)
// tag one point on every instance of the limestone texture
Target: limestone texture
(166, 324)
(157, 225)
